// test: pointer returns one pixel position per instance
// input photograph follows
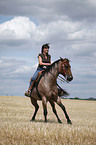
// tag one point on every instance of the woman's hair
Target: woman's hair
(44, 46)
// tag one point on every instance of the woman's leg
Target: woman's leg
(32, 81)
(35, 76)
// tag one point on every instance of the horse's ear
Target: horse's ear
(61, 58)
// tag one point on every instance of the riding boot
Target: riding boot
(31, 86)
(29, 91)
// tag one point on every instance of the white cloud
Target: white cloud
(50, 10)
(22, 70)
(11, 67)
(22, 29)
(76, 37)
(17, 28)
(70, 28)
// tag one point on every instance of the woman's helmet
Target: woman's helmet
(44, 46)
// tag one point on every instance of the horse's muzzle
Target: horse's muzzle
(69, 78)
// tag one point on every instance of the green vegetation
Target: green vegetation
(90, 99)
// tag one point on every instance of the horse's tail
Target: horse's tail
(60, 90)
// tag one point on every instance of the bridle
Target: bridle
(63, 67)
(63, 79)
(59, 77)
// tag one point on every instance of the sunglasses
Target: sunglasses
(46, 48)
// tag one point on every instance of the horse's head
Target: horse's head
(65, 69)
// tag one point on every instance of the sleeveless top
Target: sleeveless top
(44, 60)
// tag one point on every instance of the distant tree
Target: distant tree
(92, 98)
(77, 98)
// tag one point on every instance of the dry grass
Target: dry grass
(16, 128)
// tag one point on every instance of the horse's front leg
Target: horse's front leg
(64, 110)
(34, 102)
(54, 110)
(44, 103)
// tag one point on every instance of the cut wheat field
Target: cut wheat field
(16, 128)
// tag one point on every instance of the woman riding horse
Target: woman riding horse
(44, 61)
(46, 88)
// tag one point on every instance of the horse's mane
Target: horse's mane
(50, 67)
(47, 70)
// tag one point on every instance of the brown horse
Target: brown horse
(46, 88)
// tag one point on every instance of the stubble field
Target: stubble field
(16, 128)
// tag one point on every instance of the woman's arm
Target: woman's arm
(42, 63)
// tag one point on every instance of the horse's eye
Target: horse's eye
(66, 66)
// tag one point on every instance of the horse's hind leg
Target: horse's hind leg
(54, 110)
(44, 103)
(64, 110)
(34, 102)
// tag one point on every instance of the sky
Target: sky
(70, 28)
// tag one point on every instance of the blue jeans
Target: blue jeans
(35, 75)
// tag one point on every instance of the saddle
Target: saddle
(35, 81)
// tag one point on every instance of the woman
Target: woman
(44, 61)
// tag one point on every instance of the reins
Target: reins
(60, 78)
(58, 85)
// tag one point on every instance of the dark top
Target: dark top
(44, 60)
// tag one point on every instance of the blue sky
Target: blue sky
(70, 28)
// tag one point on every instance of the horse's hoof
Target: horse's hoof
(32, 120)
(59, 121)
(69, 122)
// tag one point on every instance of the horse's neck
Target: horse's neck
(50, 77)
(55, 71)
